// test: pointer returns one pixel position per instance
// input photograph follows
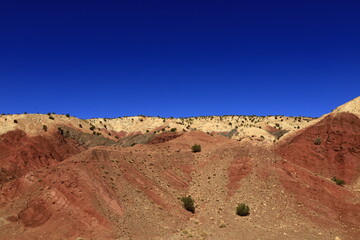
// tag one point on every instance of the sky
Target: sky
(178, 58)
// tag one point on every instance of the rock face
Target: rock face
(97, 179)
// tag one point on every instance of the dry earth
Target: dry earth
(123, 178)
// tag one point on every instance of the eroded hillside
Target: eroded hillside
(124, 178)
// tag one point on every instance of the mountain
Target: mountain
(67, 178)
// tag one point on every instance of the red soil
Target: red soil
(308, 168)
(20, 153)
(339, 152)
(164, 137)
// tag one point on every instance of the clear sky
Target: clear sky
(178, 57)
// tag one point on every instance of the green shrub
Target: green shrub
(317, 141)
(242, 209)
(45, 128)
(67, 115)
(80, 125)
(188, 203)
(338, 181)
(51, 117)
(15, 121)
(92, 128)
(196, 148)
(173, 130)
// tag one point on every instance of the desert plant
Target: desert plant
(173, 130)
(80, 125)
(338, 181)
(51, 117)
(61, 131)
(67, 115)
(317, 141)
(196, 148)
(188, 203)
(45, 128)
(242, 209)
(92, 128)
(15, 121)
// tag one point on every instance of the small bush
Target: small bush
(51, 117)
(15, 121)
(45, 128)
(80, 125)
(61, 131)
(317, 141)
(196, 148)
(67, 115)
(242, 209)
(188, 203)
(173, 130)
(92, 128)
(338, 181)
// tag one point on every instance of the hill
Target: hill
(124, 178)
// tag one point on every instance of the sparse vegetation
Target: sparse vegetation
(242, 209)
(67, 115)
(338, 181)
(51, 117)
(188, 203)
(61, 131)
(173, 130)
(80, 125)
(317, 141)
(45, 128)
(15, 121)
(196, 148)
(92, 128)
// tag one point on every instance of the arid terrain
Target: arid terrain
(62, 177)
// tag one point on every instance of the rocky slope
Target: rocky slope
(123, 178)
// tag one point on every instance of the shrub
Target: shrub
(92, 128)
(80, 125)
(338, 181)
(188, 203)
(196, 148)
(67, 115)
(45, 128)
(15, 121)
(317, 141)
(242, 209)
(61, 131)
(51, 117)
(173, 130)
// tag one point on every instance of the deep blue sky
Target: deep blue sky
(178, 58)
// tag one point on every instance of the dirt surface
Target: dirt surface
(77, 184)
